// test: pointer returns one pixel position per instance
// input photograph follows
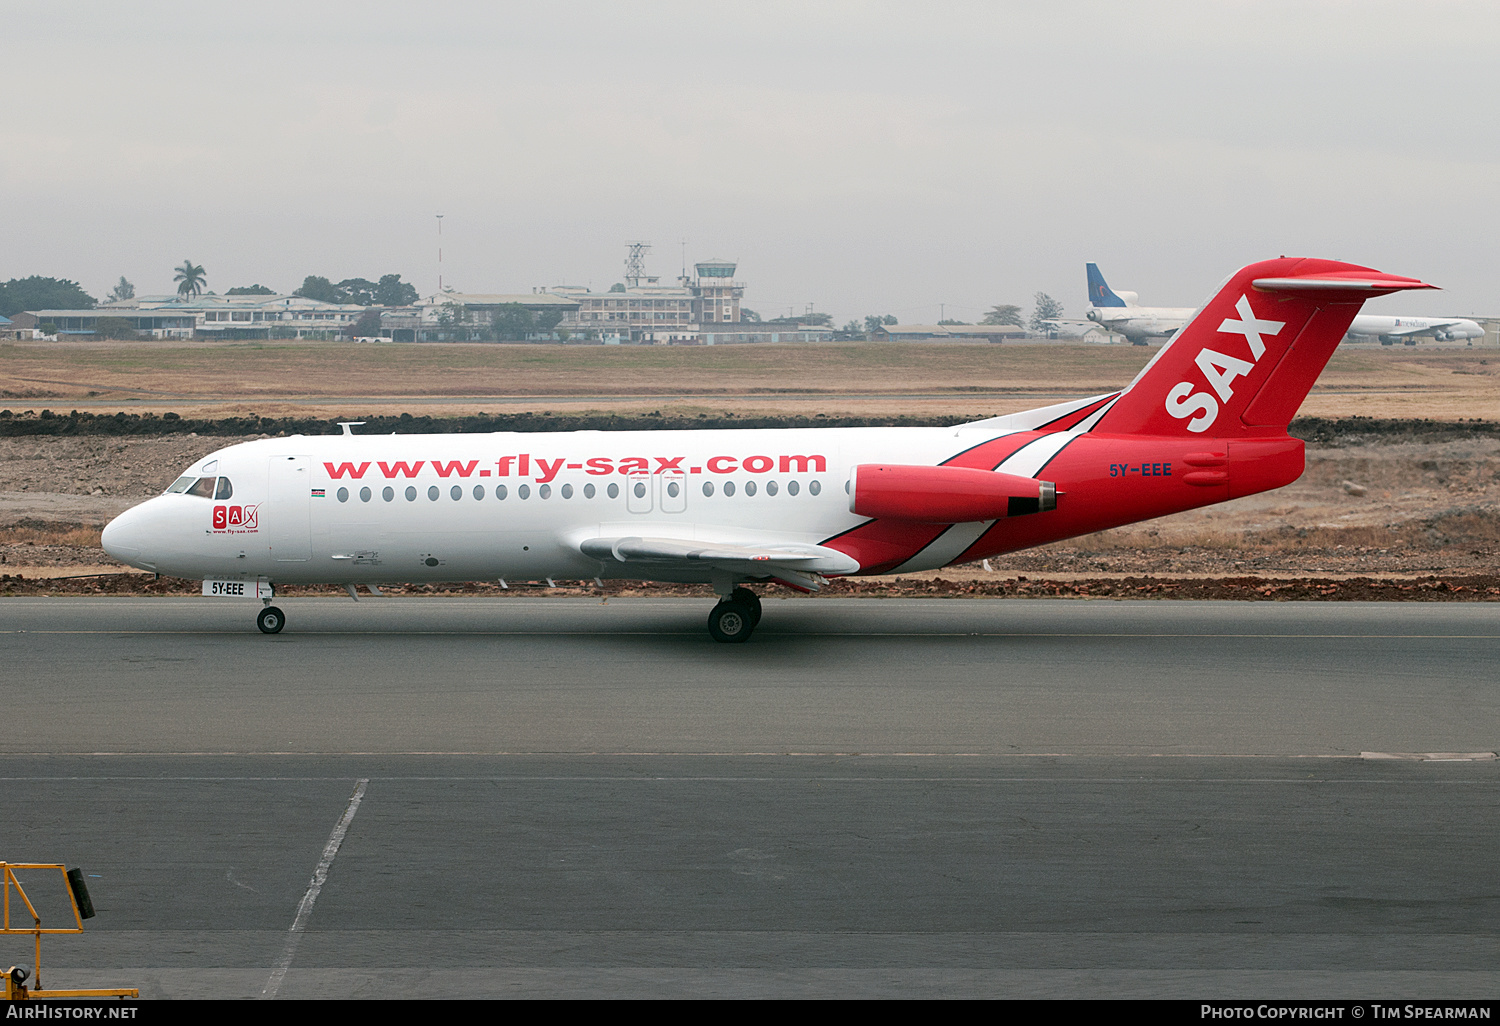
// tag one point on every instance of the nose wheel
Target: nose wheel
(270, 620)
(734, 618)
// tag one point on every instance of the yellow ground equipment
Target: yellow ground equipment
(83, 908)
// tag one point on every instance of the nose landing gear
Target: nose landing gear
(270, 620)
(734, 618)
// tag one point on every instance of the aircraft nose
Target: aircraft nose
(126, 536)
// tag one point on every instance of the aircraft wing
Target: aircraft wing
(781, 561)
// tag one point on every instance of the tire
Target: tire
(270, 620)
(750, 599)
(731, 622)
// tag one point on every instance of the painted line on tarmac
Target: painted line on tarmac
(320, 875)
(863, 779)
(769, 633)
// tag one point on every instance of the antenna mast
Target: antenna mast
(635, 262)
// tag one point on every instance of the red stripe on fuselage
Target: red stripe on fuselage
(882, 545)
(1068, 421)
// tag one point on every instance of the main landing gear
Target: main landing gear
(735, 617)
(270, 620)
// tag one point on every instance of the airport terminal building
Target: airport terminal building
(210, 316)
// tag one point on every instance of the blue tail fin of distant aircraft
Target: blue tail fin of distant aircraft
(1100, 293)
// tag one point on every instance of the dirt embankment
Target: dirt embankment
(1386, 509)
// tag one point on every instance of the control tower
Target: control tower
(716, 294)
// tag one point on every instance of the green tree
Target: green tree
(38, 293)
(617, 287)
(952, 321)
(250, 290)
(874, 322)
(1004, 314)
(511, 322)
(392, 291)
(1046, 309)
(122, 291)
(190, 279)
(851, 329)
(321, 289)
(115, 327)
(747, 314)
(357, 290)
(367, 326)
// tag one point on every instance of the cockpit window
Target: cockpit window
(225, 489)
(204, 487)
(182, 484)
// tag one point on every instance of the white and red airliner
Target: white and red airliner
(1205, 421)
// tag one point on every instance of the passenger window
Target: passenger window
(614, 491)
(770, 487)
(545, 491)
(411, 494)
(204, 488)
(749, 487)
(524, 491)
(343, 495)
(499, 491)
(708, 487)
(388, 493)
(457, 492)
(432, 493)
(588, 491)
(364, 495)
(181, 485)
(791, 487)
(225, 489)
(479, 491)
(728, 487)
(567, 491)
(814, 487)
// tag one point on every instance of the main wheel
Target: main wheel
(750, 599)
(270, 620)
(731, 621)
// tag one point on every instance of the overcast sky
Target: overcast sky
(863, 157)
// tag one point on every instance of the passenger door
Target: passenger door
(286, 516)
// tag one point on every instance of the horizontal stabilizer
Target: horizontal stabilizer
(1361, 285)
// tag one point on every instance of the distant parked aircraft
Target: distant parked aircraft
(1391, 330)
(1119, 312)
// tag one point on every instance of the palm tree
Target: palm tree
(190, 279)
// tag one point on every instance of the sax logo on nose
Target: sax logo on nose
(236, 519)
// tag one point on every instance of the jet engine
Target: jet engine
(945, 495)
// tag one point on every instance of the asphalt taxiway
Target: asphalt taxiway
(871, 797)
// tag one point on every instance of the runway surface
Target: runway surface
(537, 797)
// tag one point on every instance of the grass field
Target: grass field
(313, 378)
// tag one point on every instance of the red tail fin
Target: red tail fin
(1242, 366)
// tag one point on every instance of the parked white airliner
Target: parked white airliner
(1204, 421)
(1120, 313)
(1391, 330)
